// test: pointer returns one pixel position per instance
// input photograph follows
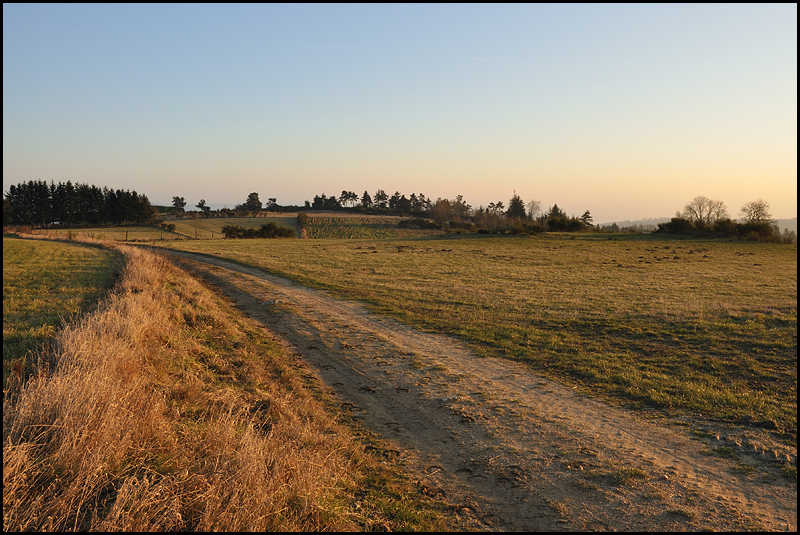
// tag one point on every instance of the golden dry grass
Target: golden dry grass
(164, 410)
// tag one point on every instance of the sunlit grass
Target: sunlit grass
(167, 410)
(706, 327)
(45, 283)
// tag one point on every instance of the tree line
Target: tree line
(451, 214)
(709, 218)
(39, 204)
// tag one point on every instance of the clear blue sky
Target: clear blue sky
(628, 111)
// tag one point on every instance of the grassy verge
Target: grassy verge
(167, 410)
(45, 283)
(703, 327)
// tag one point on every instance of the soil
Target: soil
(510, 450)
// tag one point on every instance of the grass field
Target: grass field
(167, 410)
(334, 226)
(689, 326)
(45, 283)
(141, 233)
(210, 228)
(320, 226)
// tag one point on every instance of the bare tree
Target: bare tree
(441, 211)
(534, 209)
(704, 211)
(756, 211)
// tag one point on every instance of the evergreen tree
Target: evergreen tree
(516, 208)
(366, 200)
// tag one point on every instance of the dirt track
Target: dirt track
(509, 450)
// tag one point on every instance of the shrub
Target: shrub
(676, 225)
(414, 223)
(268, 230)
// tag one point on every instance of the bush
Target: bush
(414, 223)
(726, 227)
(676, 225)
(759, 231)
(268, 230)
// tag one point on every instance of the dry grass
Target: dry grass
(163, 410)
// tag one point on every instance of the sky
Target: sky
(628, 111)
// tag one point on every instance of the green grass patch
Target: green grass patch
(688, 326)
(44, 283)
(624, 476)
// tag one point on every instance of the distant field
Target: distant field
(44, 282)
(321, 226)
(704, 327)
(211, 228)
(336, 226)
(143, 233)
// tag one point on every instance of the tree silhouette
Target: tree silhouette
(702, 211)
(756, 211)
(366, 200)
(516, 208)
(252, 203)
(178, 203)
(380, 200)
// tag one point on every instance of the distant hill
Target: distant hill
(790, 224)
(644, 223)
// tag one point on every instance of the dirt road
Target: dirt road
(509, 450)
